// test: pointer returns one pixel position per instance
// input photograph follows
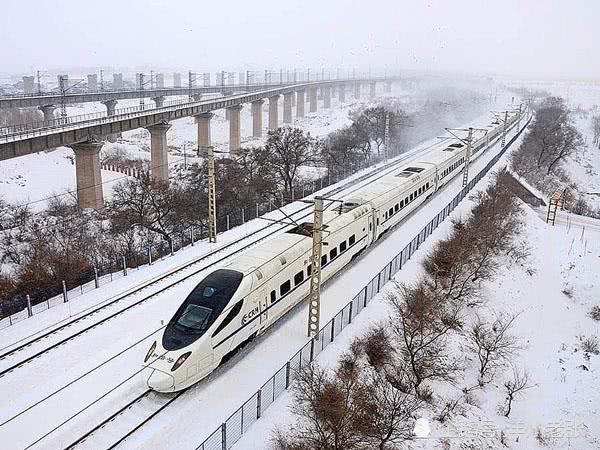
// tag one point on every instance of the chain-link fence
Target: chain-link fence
(236, 425)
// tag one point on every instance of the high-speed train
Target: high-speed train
(240, 299)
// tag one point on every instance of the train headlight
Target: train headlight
(149, 354)
(180, 361)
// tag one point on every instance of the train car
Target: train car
(238, 301)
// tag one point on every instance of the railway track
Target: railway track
(136, 414)
(380, 171)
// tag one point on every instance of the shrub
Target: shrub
(595, 312)
(591, 345)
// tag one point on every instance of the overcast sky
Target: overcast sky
(529, 38)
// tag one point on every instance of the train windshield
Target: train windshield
(201, 308)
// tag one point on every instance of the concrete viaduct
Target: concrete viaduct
(86, 137)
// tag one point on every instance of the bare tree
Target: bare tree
(421, 324)
(329, 409)
(493, 343)
(289, 149)
(596, 130)
(515, 387)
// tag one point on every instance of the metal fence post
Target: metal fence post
(149, 256)
(192, 234)
(172, 247)
(227, 222)
(224, 436)
(287, 375)
(96, 278)
(270, 204)
(242, 215)
(124, 266)
(258, 400)
(350, 315)
(332, 328)
(65, 297)
(257, 213)
(29, 312)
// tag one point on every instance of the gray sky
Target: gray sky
(529, 38)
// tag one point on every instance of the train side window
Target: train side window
(391, 212)
(352, 239)
(298, 278)
(401, 204)
(378, 221)
(323, 260)
(406, 201)
(411, 197)
(273, 297)
(285, 288)
(333, 253)
(230, 316)
(426, 185)
(309, 270)
(397, 207)
(343, 247)
(370, 226)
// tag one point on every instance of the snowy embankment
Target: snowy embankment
(553, 292)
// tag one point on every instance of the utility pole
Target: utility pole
(212, 202)
(467, 158)
(151, 79)
(63, 99)
(314, 305)
(141, 91)
(39, 83)
(190, 95)
(386, 137)
(101, 80)
(504, 129)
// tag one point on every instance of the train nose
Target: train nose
(161, 381)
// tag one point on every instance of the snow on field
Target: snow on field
(201, 408)
(553, 292)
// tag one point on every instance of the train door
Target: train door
(263, 307)
(437, 179)
(374, 224)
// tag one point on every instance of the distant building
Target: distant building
(28, 85)
(117, 81)
(177, 80)
(92, 82)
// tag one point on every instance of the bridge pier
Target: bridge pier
(273, 112)
(257, 109)
(48, 112)
(159, 101)
(300, 103)
(111, 106)
(159, 155)
(204, 141)
(287, 107)
(313, 99)
(87, 172)
(342, 93)
(234, 129)
(372, 86)
(326, 97)
(357, 90)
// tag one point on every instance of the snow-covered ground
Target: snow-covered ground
(201, 408)
(553, 292)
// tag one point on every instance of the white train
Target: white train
(240, 299)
